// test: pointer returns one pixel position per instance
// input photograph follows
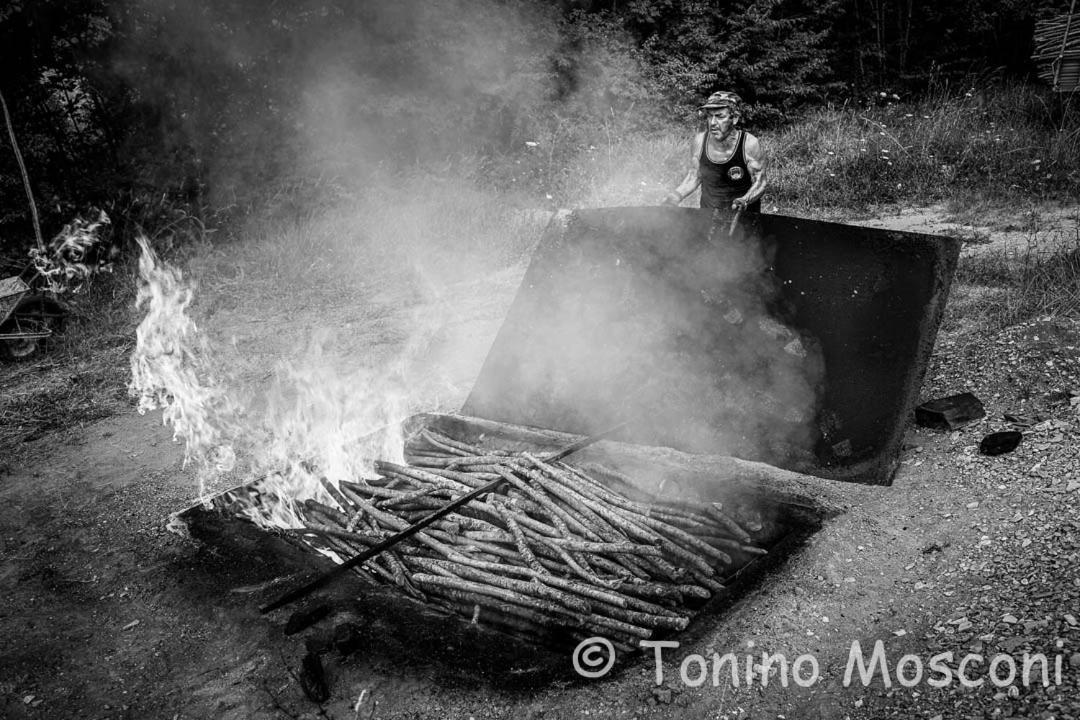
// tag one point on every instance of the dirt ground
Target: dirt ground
(108, 614)
(1042, 229)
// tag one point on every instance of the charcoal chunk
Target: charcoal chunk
(950, 413)
(313, 678)
(1000, 443)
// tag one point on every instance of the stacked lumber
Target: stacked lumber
(1057, 52)
(557, 551)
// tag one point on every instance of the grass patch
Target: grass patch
(997, 289)
(1001, 145)
(82, 374)
(1005, 143)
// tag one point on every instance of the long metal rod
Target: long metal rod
(329, 575)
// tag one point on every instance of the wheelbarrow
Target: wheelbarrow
(29, 314)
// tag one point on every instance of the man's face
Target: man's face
(720, 122)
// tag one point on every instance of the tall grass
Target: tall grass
(995, 290)
(1001, 143)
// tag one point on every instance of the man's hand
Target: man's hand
(672, 199)
(739, 204)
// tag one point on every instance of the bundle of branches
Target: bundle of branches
(555, 553)
(1057, 41)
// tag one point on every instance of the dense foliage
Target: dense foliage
(164, 111)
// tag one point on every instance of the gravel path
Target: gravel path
(1012, 579)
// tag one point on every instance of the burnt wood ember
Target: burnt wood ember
(313, 678)
(1000, 443)
(558, 551)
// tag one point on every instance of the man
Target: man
(728, 163)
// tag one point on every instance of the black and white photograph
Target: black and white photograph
(539, 359)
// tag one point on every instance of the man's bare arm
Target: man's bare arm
(755, 158)
(693, 175)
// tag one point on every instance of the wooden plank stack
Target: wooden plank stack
(1057, 52)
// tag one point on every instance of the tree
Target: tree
(772, 52)
(906, 44)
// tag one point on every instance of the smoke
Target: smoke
(258, 92)
(656, 318)
(313, 421)
(77, 253)
(420, 82)
(394, 109)
(248, 95)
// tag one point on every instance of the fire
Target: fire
(170, 370)
(75, 255)
(318, 424)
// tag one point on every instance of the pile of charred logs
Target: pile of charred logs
(554, 549)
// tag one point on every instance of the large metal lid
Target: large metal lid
(789, 341)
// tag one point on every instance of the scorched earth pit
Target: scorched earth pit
(759, 369)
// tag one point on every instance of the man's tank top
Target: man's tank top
(721, 183)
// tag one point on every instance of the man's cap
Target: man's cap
(723, 99)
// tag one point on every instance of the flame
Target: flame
(74, 255)
(170, 370)
(321, 425)
(317, 424)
